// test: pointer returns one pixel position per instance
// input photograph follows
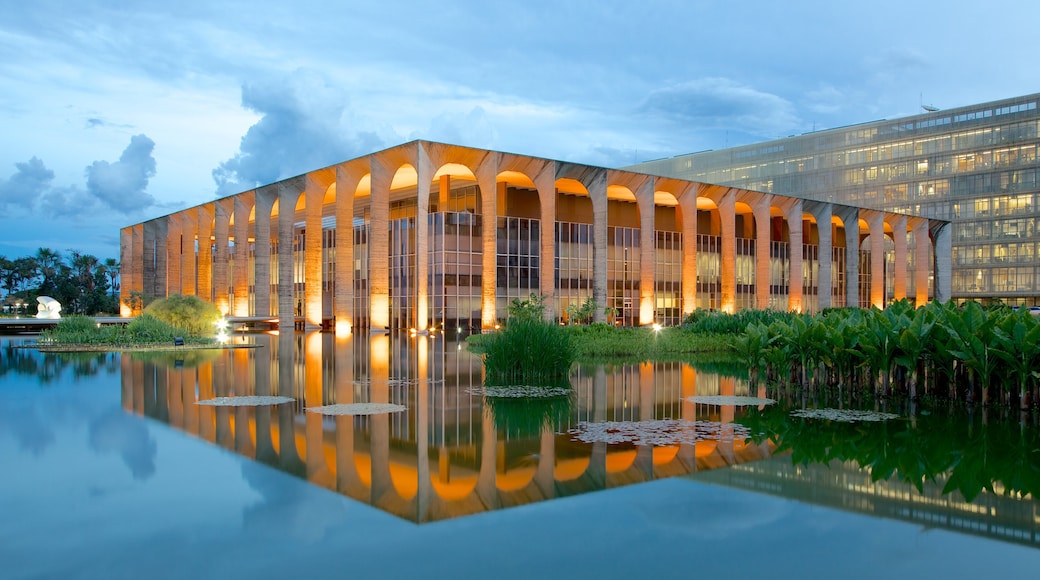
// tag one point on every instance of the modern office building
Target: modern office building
(427, 235)
(974, 166)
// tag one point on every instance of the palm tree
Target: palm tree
(111, 266)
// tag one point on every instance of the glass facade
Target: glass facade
(975, 166)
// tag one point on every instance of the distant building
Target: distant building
(975, 166)
(430, 235)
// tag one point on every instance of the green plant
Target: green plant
(528, 351)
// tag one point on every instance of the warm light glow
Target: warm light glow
(222, 324)
(222, 337)
(343, 328)
(656, 326)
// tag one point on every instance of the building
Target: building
(974, 166)
(446, 236)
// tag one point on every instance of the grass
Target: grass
(145, 330)
(528, 352)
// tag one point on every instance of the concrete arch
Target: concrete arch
(352, 181)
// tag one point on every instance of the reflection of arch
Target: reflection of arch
(704, 448)
(619, 461)
(570, 469)
(665, 454)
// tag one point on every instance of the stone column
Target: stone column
(189, 258)
(126, 237)
(728, 258)
(160, 240)
(850, 218)
(793, 214)
(876, 226)
(313, 282)
(763, 243)
(148, 281)
(262, 251)
(347, 181)
(644, 193)
(243, 202)
(424, 178)
(288, 192)
(205, 249)
(174, 242)
(922, 267)
(824, 284)
(221, 225)
(379, 244)
(688, 207)
(899, 237)
(545, 183)
(137, 258)
(596, 184)
(485, 173)
(943, 259)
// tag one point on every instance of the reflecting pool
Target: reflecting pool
(112, 468)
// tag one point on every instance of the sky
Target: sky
(113, 112)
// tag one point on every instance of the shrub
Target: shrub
(190, 313)
(528, 351)
(147, 328)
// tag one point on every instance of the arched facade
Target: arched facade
(428, 235)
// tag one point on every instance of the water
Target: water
(110, 469)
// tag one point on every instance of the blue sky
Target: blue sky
(113, 112)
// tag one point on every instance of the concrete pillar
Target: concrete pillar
(243, 203)
(898, 223)
(485, 174)
(793, 214)
(126, 249)
(174, 241)
(288, 192)
(850, 218)
(204, 285)
(424, 491)
(922, 265)
(728, 265)
(424, 176)
(443, 193)
(688, 207)
(943, 259)
(262, 251)
(824, 213)
(159, 240)
(596, 184)
(763, 239)
(189, 257)
(379, 244)
(221, 225)
(876, 227)
(347, 180)
(647, 245)
(148, 258)
(545, 183)
(314, 194)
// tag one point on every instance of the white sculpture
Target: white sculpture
(48, 307)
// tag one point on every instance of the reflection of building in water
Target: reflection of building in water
(448, 454)
(849, 487)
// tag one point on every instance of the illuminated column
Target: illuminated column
(647, 249)
(486, 488)
(288, 192)
(137, 257)
(597, 469)
(189, 261)
(313, 238)
(240, 272)
(760, 207)
(347, 479)
(793, 214)
(876, 227)
(485, 174)
(850, 218)
(424, 176)
(289, 456)
(343, 300)
(824, 284)
(922, 267)
(688, 451)
(727, 267)
(221, 225)
(126, 237)
(148, 258)
(379, 246)
(262, 251)
(688, 207)
(645, 453)
(899, 237)
(597, 187)
(205, 249)
(544, 181)
(422, 428)
(264, 358)
(943, 259)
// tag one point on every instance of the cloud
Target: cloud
(713, 102)
(306, 124)
(121, 185)
(29, 182)
(473, 129)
